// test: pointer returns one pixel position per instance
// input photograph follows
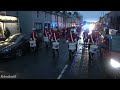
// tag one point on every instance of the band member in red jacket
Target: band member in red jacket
(55, 37)
(50, 32)
(72, 38)
(34, 34)
(46, 37)
(63, 32)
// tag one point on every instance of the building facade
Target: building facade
(111, 20)
(41, 19)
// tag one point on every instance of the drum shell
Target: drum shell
(72, 46)
(46, 39)
(32, 43)
(55, 45)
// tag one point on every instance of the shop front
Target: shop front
(10, 23)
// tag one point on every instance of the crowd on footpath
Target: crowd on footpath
(51, 38)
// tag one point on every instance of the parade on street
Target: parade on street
(59, 45)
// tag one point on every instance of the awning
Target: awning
(8, 18)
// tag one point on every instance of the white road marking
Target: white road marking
(62, 71)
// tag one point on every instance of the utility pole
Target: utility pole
(18, 22)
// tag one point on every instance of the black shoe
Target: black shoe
(53, 55)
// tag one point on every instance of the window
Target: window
(45, 25)
(37, 14)
(38, 26)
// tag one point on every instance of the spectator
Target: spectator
(7, 33)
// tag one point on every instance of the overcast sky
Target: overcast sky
(92, 15)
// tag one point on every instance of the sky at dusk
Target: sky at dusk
(92, 15)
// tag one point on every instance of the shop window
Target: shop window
(49, 26)
(38, 26)
(46, 25)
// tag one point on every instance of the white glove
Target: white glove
(67, 41)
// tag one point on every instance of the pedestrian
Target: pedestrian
(55, 37)
(7, 33)
(72, 38)
(46, 37)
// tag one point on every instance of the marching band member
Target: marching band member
(55, 38)
(46, 37)
(72, 38)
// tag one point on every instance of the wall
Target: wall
(25, 19)
(53, 20)
(42, 18)
(11, 13)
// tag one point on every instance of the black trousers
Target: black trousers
(46, 44)
(90, 54)
(53, 51)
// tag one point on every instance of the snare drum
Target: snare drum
(72, 46)
(46, 39)
(93, 48)
(55, 45)
(32, 43)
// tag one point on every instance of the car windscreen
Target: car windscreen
(14, 38)
(115, 43)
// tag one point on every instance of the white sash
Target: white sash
(71, 37)
(45, 33)
(55, 37)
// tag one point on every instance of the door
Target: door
(45, 25)
(49, 26)
(1, 30)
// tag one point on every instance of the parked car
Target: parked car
(15, 45)
(111, 56)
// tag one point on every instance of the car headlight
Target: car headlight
(114, 63)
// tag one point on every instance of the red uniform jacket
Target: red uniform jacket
(94, 36)
(46, 33)
(55, 35)
(34, 34)
(72, 37)
(63, 31)
(68, 31)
